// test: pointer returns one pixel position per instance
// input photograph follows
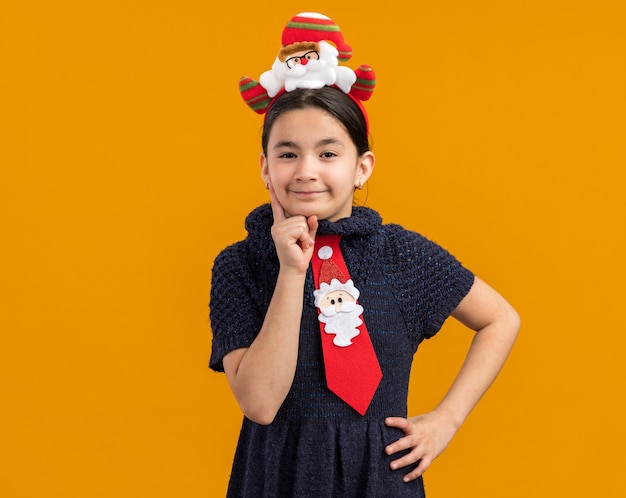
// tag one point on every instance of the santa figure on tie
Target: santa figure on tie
(337, 301)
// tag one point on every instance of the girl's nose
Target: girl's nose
(305, 170)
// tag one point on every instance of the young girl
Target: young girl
(318, 280)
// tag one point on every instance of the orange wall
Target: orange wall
(128, 160)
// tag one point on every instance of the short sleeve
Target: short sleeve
(235, 314)
(430, 282)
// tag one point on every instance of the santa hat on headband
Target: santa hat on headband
(314, 27)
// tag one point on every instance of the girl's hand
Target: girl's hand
(426, 436)
(294, 237)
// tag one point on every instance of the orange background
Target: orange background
(128, 160)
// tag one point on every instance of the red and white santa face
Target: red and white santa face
(337, 301)
(307, 65)
(300, 54)
(313, 165)
(340, 313)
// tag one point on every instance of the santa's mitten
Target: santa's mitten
(365, 83)
(254, 95)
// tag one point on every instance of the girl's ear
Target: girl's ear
(265, 176)
(365, 168)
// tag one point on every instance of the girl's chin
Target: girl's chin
(316, 209)
(323, 216)
(306, 214)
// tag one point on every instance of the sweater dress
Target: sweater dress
(317, 445)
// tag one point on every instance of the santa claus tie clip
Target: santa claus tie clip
(352, 369)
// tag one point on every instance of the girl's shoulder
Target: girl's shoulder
(404, 242)
(409, 252)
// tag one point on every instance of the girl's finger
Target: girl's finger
(307, 238)
(398, 422)
(313, 224)
(404, 443)
(408, 459)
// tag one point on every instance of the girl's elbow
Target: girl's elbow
(261, 413)
(514, 320)
(510, 323)
(261, 418)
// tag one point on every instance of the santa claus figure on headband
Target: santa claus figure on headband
(312, 48)
(307, 65)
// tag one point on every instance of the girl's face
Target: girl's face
(313, 166)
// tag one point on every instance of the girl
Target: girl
(272, 335)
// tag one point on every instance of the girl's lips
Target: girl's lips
(306, 193)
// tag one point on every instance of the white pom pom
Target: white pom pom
(325, 252)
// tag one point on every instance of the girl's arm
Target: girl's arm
(496, 324)
(260, 376)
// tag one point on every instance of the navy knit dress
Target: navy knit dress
(318, 446)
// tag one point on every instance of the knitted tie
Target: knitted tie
(352, 369)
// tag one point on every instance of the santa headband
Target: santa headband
(312, 48)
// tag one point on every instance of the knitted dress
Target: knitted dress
(318, 446)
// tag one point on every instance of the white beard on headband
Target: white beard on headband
(315, 74)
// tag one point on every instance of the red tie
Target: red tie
(352, 369)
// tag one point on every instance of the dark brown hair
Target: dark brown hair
(329, 99)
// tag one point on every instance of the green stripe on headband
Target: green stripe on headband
(312, 26)
(259, 106)
(365, 82)
(247, 86)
